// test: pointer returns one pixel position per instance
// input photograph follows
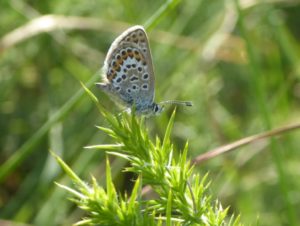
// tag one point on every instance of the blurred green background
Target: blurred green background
(238, 63)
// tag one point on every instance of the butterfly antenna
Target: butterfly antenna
(178, 102)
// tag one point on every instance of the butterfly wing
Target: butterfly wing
(128, 69)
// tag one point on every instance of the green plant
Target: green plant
(182, 195)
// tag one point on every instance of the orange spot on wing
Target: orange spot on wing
(124, 57)
(120, 62)
(111, 76)
(130, 54)
(138, 58)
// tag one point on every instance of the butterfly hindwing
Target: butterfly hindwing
(129, 70)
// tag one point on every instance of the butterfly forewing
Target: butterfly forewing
(129, 70)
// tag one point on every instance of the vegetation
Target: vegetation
(182, 196)
(238, 61)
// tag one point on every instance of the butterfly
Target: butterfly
(128, 76)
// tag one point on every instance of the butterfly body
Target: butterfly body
(128, 76)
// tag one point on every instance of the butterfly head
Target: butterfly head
(157, 109)
(150, 110)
